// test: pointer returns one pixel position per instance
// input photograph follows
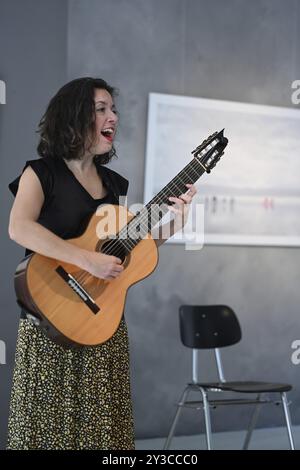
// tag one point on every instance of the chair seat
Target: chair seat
(247, 387)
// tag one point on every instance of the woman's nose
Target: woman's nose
(113, 117)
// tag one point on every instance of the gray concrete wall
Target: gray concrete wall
(233, 50)
(33, 66)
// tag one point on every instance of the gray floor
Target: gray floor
(264, 439)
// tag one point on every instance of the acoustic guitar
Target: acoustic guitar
(75, 308)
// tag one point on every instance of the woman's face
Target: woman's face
(106, 122)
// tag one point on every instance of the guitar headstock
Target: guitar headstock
(211, 150)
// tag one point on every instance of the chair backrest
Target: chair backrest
(209, 326)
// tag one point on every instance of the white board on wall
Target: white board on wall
(252, 196)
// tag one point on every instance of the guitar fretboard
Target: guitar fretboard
(154, 210)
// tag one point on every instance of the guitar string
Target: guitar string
(131, 243)
(144, 219)
(208, 145)
(140, 219)
(160, 200)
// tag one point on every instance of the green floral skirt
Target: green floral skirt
(70, 398)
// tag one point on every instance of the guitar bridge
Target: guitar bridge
(78, 289)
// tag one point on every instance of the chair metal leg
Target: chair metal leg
(287, 416)
(207, 418)
(252, 423)
(176, 417)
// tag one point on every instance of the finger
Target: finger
(177, 200)
(192, 189)
(117, 260)
(173, 209)
(190, 185)
(186, 198)
(117, 268)
(113, 275)
(114, 267)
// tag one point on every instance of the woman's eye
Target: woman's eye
(102, 110)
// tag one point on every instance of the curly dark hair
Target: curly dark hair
(70, 119)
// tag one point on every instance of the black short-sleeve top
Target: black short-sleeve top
(67, 205)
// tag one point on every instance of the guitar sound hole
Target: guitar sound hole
(114, 248)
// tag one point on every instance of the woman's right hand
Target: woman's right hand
(101, 265)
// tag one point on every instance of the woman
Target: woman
(72, 398)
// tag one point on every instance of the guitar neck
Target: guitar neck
(177, 186)
(145, 220)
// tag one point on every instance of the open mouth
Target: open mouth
(108, 133)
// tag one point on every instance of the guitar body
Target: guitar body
(48, 289)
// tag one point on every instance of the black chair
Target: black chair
(214, 327)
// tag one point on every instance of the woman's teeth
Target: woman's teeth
(107, 131)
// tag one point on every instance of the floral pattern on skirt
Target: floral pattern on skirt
(70, 398)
